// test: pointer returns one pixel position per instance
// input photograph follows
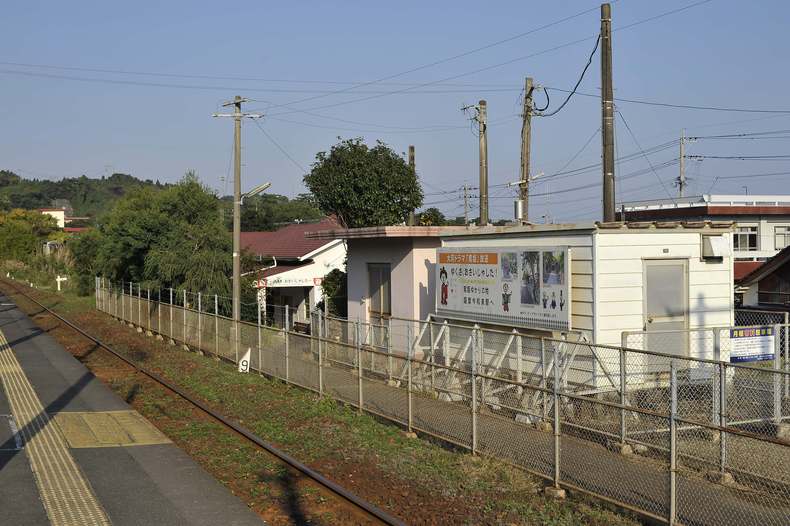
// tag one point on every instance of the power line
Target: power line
(770, 174)
(444, 60)
(672, 105)
(494, 66)
(742, 157)
(631, 133)
(573, 91)
(284, 152)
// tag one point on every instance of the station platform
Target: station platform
(74, 453)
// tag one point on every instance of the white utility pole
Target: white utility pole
(237, 117)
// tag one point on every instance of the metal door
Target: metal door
(665, 305)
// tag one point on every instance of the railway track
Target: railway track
(367, 508)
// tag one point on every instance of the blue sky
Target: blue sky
(67, 122)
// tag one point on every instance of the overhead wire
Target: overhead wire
(631, 133)
(573, 91)
(283, 150)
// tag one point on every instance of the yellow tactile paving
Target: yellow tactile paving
(65, 493)
(108, 429)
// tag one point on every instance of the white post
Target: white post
(544, 381)
(623, 382)
(139, 306)
(389, 349)
(722, 416)
(148, 293)
(320, 355)
(131, 311)
(359, 370)
(123, 305)
(159, 310)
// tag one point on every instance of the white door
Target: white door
(665, 305)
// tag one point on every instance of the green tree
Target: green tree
(364, 186)
(84, 250)
(432, 217)
(168, 238)
(335, 290)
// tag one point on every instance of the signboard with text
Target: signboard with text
(518, 286)
(752, 344)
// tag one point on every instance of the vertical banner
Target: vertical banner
(518, 286)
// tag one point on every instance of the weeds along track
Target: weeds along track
(376, 514)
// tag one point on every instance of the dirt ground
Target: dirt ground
(416, 480)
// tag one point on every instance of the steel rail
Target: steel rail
(362, 504)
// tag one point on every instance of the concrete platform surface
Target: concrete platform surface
(73, 452)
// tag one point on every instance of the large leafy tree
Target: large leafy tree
(364, 186)
(168, 238)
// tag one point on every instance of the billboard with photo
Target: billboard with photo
(517, 286)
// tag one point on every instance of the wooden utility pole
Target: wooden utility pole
(237, 117)
(682, 174)
(607, 113)
(526, 138)
(481, 121)
(412, 219)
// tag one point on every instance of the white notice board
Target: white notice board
(752, 344)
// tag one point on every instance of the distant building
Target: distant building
(292, 267)
(58, 213)
(762, 221)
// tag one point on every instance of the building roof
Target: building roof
(447, 231)
(782, 257)
(707, 205)
(75, 229)
(52, 210)
(288, 242)
(741, 269)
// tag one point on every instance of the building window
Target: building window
(379, 294)
(745, 239)
(781, 237)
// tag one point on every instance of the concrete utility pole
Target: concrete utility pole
(466, 204)
(237, 117)
(526, 138)
(607, 113)
(682, 174)
(482, 119)
(412, 219)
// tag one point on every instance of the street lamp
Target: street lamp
(255, 191)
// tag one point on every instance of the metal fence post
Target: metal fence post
(673, 438)
(148, 292)
(159, 310)
(777, 379)
(321, 328)
(623, 381)
(123, 305)
(131, 293)
(408, 379)
(786, 347)
(172, 333)
(475, 336)
(544, 381)
(389, 350)
(287, 343)
(556, 425)
(185, 317)
(216, 325)
(200, 322)
(716, 378)
(260, 354)
(359, 370)
(139, 306)
(432, 359)
(722, 416)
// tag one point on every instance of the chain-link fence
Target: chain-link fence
(679, 438)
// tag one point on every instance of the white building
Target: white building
(59, 214)
(762, 221)
(292, 267)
